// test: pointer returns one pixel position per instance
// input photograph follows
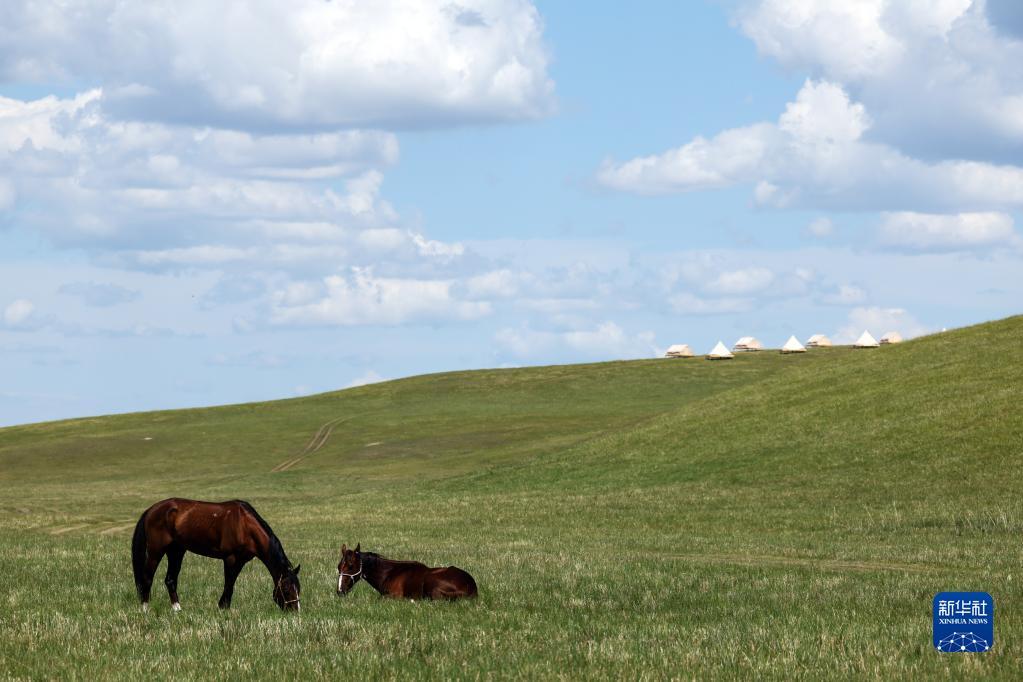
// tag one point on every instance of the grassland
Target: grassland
(770, 517)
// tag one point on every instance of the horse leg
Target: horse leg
(175, 555)
(232, 567)
(152, 563)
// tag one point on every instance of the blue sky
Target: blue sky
(340, 193)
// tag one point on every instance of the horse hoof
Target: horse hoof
(145, 608)
(175, 606)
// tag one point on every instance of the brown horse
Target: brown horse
(231, 531)
(401, 579)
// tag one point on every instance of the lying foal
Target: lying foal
(401, 579)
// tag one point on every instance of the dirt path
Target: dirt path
(68, 529)
(98, 527)
(318, 440)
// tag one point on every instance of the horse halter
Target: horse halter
(280, 587)
(353, 576)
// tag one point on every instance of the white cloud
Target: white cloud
(879, 321)
(816, 157)
(305, 65)
(99, 294)
(930, 232)
(524, 342)
(364, 379)
(436, 249)
(606, 340)
(729, 158)
(686, 303)
(723, 282)
(501, 283)
(823, 115)
(940, 78)
(610, 339)
(7, 194)
(820, 227)
(156, 197)
(739, 282)
(122, 183)
(18, 312)
(364, 299)
(846, 38)
(153, 152)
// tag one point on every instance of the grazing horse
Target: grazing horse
(231, 531)
(401, 579)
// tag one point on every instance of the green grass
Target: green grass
(770, 517)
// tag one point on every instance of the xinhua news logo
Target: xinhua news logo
(964, 622)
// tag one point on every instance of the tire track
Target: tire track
(318, 440)
(108, 528)
(68, 529)
(98, 527)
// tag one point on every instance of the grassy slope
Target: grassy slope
(771, 515)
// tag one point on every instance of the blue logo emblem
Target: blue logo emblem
(964, 622)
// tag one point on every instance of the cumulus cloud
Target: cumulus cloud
(155, 197)
(815, 157)
(929, 232)
(124, 183)
(879, 321)
(364, 299)
(257, 156)
(940, 78)
(910, 106)
(304, 65)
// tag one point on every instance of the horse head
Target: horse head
(349, 569)
(287, 589)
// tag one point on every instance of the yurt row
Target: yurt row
(749, 344)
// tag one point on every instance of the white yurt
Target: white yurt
(679, 350)
(793, 346)
(866, 341)
(818, 341)
(891, 337)
(719, 352)
(746, 344)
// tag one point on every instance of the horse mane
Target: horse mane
(374, 557)
(276, 548)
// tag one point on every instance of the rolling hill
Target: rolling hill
(770, 516)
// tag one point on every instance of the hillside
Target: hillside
(772, 516)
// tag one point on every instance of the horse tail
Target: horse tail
(139, 552)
